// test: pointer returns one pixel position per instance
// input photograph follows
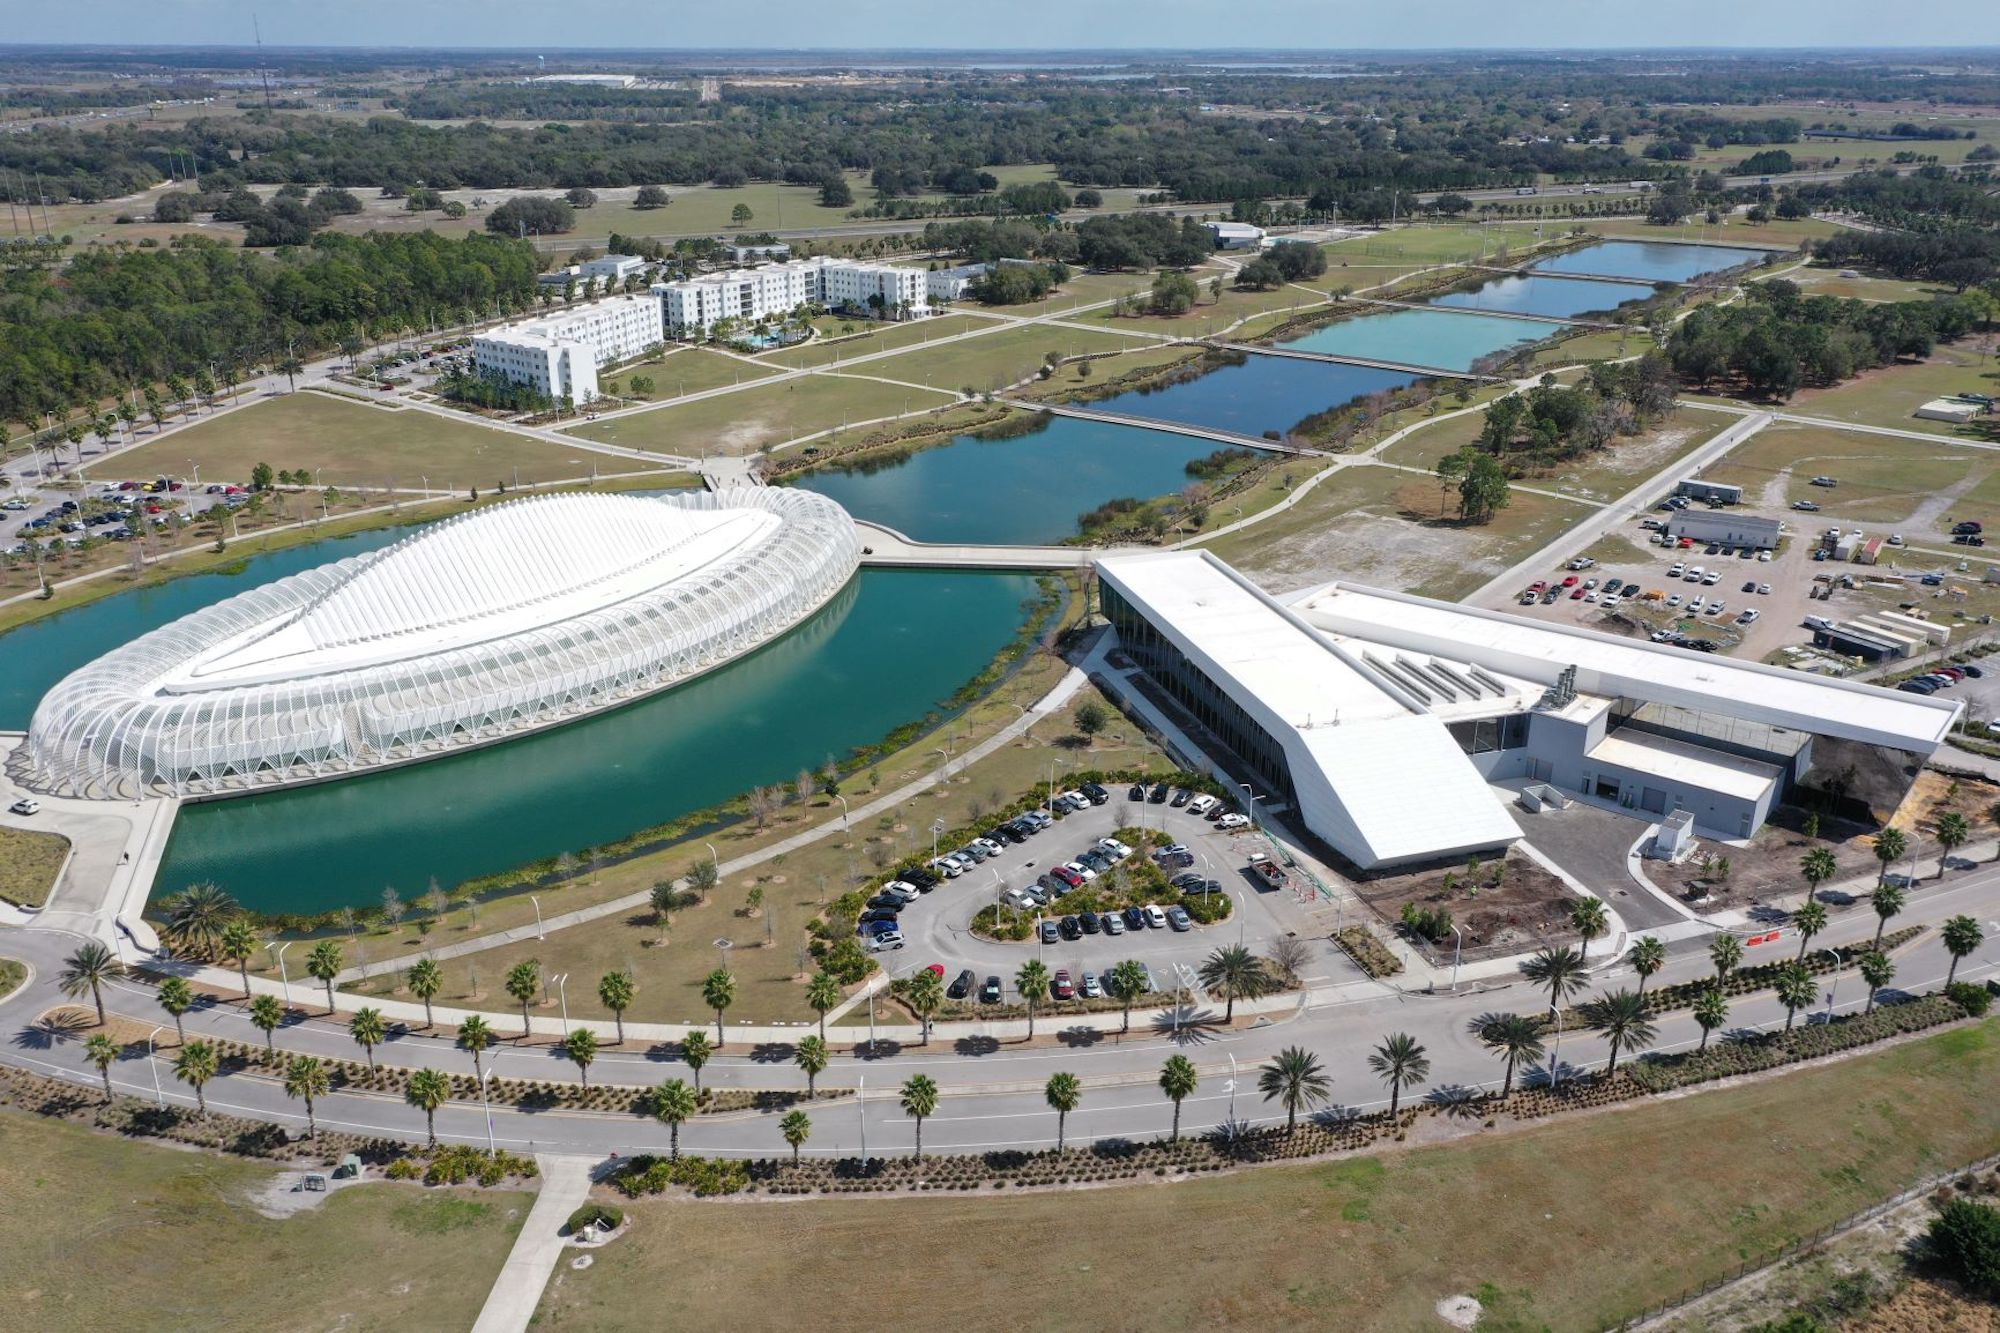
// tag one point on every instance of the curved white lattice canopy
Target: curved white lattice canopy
(473, 630)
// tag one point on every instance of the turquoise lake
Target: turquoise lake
(1655, 261)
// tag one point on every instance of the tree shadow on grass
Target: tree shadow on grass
(1456, 1101)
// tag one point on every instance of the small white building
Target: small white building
(951, 284)
(560, 353)
(1235, 235)
(1958, 411)
(612, 269)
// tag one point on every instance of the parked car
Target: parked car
(1135, 918)
(1061, 987)
(1070, 929)
(887, 941)
(1155, 918)
(27, 805)
(1181, 797)
(1178, 918)
(1087, 921)
(1232, 821)
(1203, 805)
(1158, 796)
(1113, 923)
(1090, 988)
(1097, 794)
(1049, 933)
(961, 985)
(875, 924)
(989, 992)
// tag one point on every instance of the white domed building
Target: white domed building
(475, 630)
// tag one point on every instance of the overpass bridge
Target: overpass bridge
(885, 547)
(1576, 277)
(1171, 427)
(1478, 310)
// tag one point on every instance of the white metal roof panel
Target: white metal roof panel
(1691, 766)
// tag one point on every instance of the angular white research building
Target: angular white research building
(1384, 718)
(475, 630)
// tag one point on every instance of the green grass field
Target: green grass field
(102, 1232)
(30, 860)
(686, 370)
(1883, 479)
(1888, 396)
(1575, 1224)
(1818, 281)
(1210, 315)
(355, 445)
(870, 337)
(739, 423)
(992, 360)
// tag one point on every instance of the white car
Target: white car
(1674, 600)
(1764, 590)
(1202, 804)
(1748, 617)
(1713, 576)
(1113, 848)
(1679, 568)
(886, 941)
(25, 806)
(1232, 820)
(1081, 870)
(1694, 607)
(1155, 918)
(1717, 607)
(947, 867)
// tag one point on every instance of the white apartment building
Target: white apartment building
(559, 353)
(693, 307)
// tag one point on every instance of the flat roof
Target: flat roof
(1690, 765)
(1613, 665)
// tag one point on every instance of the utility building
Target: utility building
(1729, 529)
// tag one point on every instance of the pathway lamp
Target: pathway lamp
(538, 916)
(487, 1099)
(283, 979)
(153, 1063)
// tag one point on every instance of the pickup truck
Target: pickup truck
(1267, 869)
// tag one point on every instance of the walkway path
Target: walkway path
(1171, 427)
(1373, 363)
(886, 546)
(510, 1305)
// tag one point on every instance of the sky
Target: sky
(1010, 24)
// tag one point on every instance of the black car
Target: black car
(1135, 918)
(1187, 880)
(1204, 887)
(1088, 923)
(885, 900)
(990, 992)
(960, 987)
(1021, 829)
(918, 876)
(1973, 671)
(879, 914)
(1159, 795)
(1138, 792)
(1181, 797)
(1069, 929)
(1968, 526)
(1003, 834)
(1096, 793)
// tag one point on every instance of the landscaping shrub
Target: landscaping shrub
(704, 1176)
(1965, 1239)
(1768, 1050)
(1975, 1000)
(1368, 952)
(604, 1215)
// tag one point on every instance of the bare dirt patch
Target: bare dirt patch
(1503, 905)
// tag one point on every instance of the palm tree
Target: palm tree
(1591, 919)
(306, 1078)
(1401, 1063)
(101, 1051)
(369, 1030)
(925, 996)
(195, 920)
(1621, 1016)
(1648, 956)
(1727, 955)
(1032, 981)
(177, 997)
(239, 941)
(1877, 970)
(581, 1044)
(1962, 937)
(796, 1128)
(267, 1014)
(1234, 972)
(1127, 982)
(1818, 866)
(1062, 1093)
(695, 1050)
(87, 970)
(1294, 1078)
(1796, 988)
(427, 1090)
(718, 992)
(1560, 969)
(920, 1099)
(674, 1102)
(323, 965)
(1177, 1080)
(1953, 832)
(425, 979)
(475, 1036)
(1809, 921)
(523, 980)
(616, 992)
(1513, 1037)
(822, 993)
(1887, 901)
(1711, 1011)
(1890, 844)
(811, 1057)
(195, 1066)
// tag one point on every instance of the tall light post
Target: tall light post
(1239, 917)
(1457, 949)
(1555, 1051)
(845, 826)
(1054, 763)
(861, 1107)
(486, 1097)
(283, 979)
(562, 995)
(715, 860)
(1250, 803)
(153, 1063)
(937, 827)
(538, 916)
(1232, 1094)
(1834, 989)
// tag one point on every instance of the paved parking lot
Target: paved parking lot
(937, 925)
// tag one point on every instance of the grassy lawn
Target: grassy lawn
(794, 888)
(1888, 396)
(12, 974)
(29, 863)
(993, 360)
(1381, 526)
(1600, 345)
(1882, 479)
(870, 337)
(688, 370)
(741, 423)
(1144, 355)
(1730, 231)
(1082, 289)
(1209, 314)
(190, 1249)
(1426, 445)
(356, 445)
(1817, 281)
(1414, 246)
(1525, 1219)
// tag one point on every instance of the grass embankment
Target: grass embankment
(355, 444)
(1575, 1224)
(100, 1232)
(13, 974)
(748, 420)
(30, 860)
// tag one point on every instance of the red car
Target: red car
(937, 968)
(1575, 593)
(1061, 987)
(1067, 876)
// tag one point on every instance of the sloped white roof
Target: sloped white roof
(1374, 771)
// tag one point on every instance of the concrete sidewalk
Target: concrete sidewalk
(510, 1306)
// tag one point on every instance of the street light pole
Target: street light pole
(715, 860)
(153, 1063)
(283, 979)
(1555, 1052)
(861, 1107)
(538, 916)
(562, 994)
(492, 1150)
(845, 826)
(1457, 950)
(1834, 989)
